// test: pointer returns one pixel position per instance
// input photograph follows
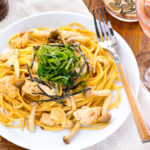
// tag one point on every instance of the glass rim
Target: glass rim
(142, 16)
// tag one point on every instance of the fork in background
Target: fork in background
(107, 40)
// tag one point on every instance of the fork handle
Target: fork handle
(140, 122)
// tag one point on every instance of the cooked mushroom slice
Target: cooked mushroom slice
(104, 118)
(30, 122)
(73, 104)
(78, 39)
(106, 104)
(98, 93)
(102, 92)
(72, 133)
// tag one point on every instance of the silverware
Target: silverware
(108, 41)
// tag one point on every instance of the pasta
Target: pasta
(22, 86)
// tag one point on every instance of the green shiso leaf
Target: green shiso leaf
(57, 64)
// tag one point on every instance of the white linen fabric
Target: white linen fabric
(126, 137)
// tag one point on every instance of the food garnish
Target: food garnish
(57, 64)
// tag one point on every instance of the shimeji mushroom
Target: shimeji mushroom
(105, 115)
(104, 118)
(98, 93)
(30, 122)
(106, 104)
(72, 133)
(18, 82)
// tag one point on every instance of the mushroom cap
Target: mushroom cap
(66, 140)
(105, 118)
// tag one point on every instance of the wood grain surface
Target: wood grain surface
(131, 32)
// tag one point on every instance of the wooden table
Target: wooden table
(131, 32)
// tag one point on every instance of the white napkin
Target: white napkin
(22, 8)
(125, 138)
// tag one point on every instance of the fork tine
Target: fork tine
(102, 33)
(96, 27)
(109, 24)
(105, 28)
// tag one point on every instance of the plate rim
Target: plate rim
(11, 139)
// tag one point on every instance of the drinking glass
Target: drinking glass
(143, 59)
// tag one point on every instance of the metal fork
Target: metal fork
(108, 41)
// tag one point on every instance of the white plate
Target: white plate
(46, 140)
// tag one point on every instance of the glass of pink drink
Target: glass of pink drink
(143, 12)
(143, 59)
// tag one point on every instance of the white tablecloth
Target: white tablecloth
(125, 138)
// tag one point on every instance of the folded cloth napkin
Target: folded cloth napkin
(125, 138)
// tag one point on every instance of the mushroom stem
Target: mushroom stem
(30, 122)
(106, 104)
(72, 133)
(104, 118)
(102, 92)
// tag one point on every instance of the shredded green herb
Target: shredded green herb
(57, 64)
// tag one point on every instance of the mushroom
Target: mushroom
(101, 93)
(18, 82)
(30, 122)
(72, 133)
(104, 118)
(78, 39)
(106, 104)
(53, 33)
(98, 93)
(74, 107)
